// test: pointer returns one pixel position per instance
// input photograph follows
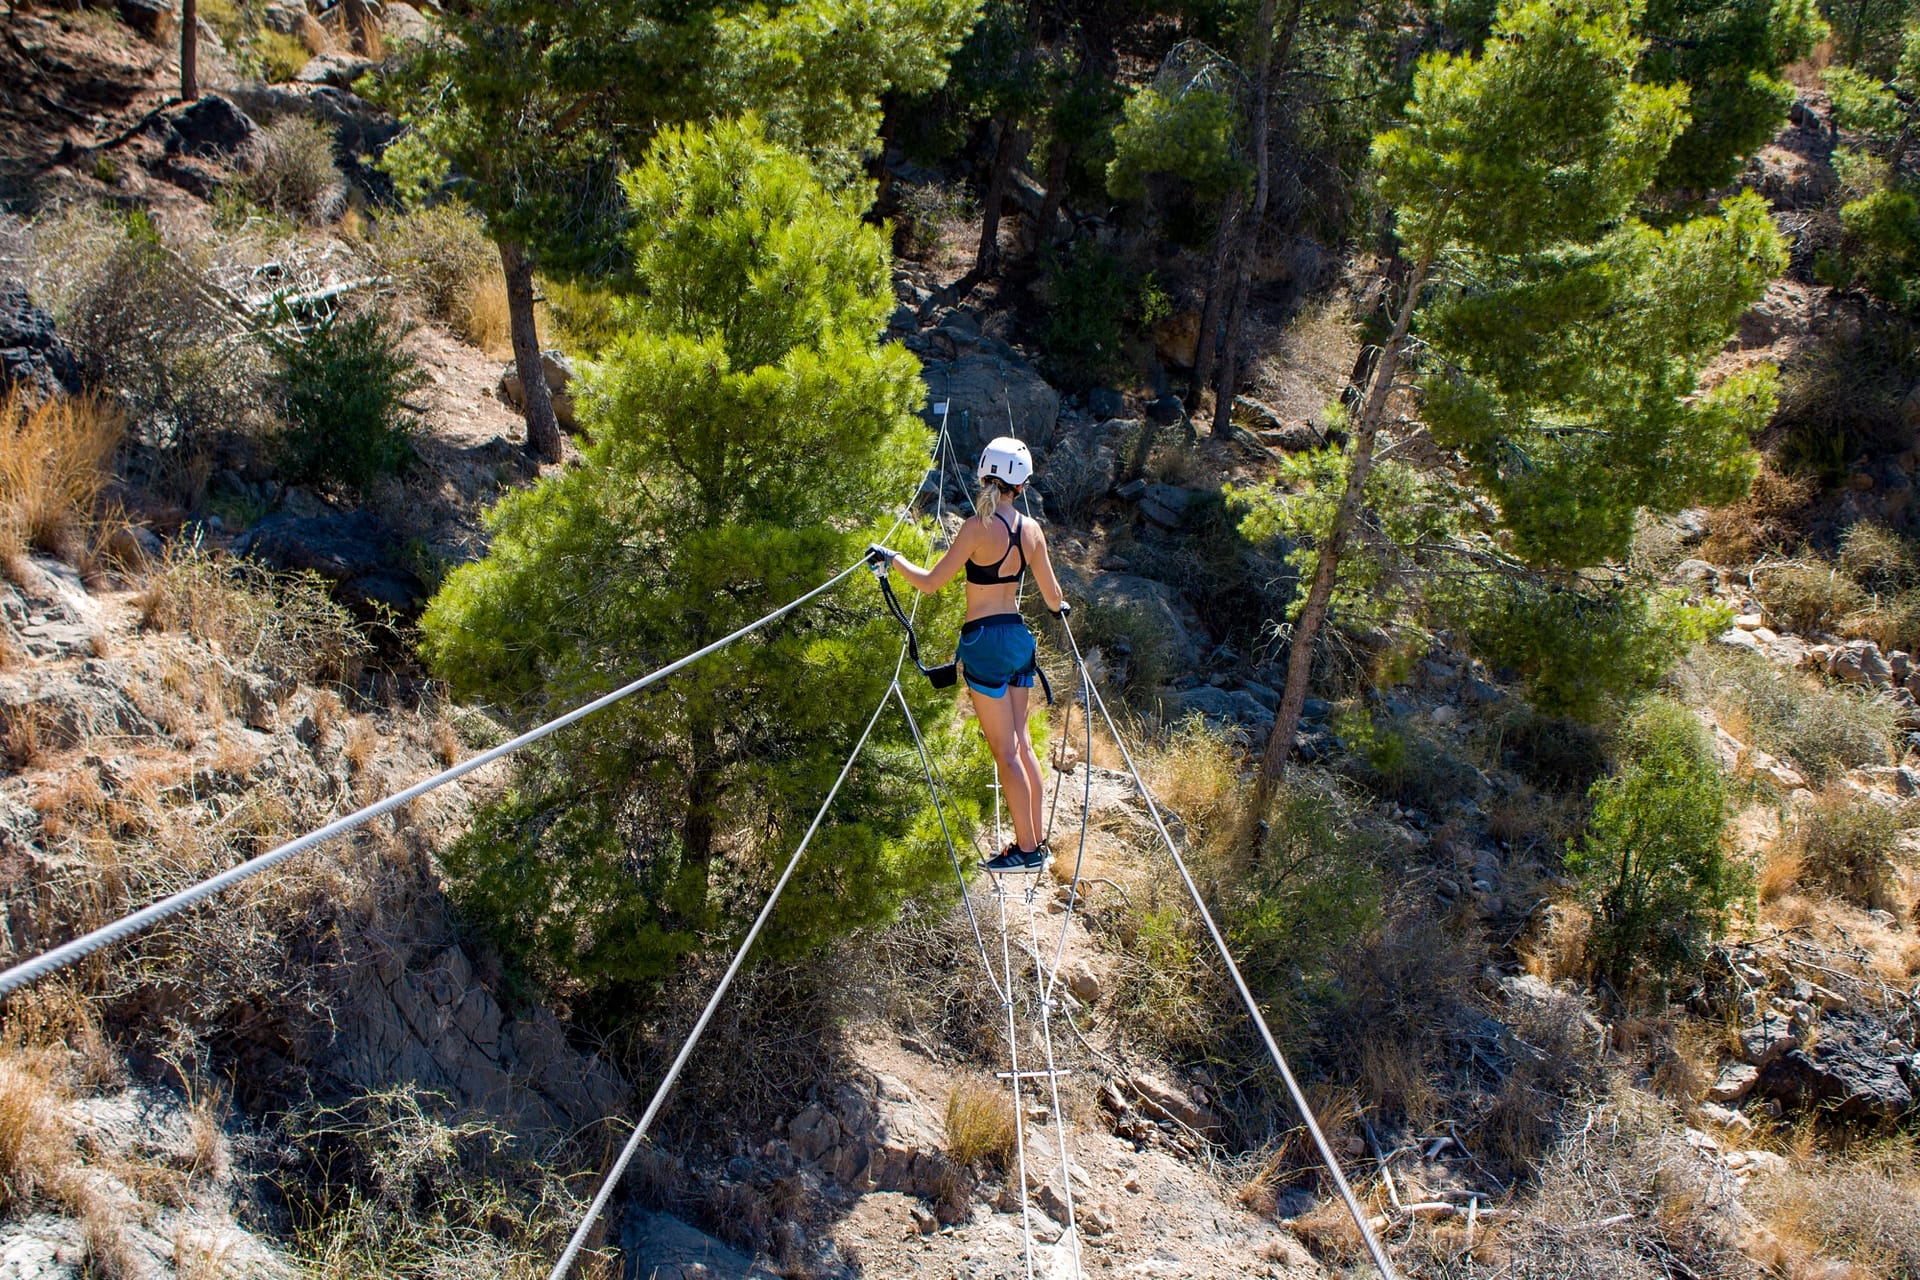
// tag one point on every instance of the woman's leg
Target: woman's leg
(997, 724)
(1030, 762)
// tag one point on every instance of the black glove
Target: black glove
(1063, 610)
(878, 555)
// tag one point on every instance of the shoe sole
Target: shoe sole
(1033, 870)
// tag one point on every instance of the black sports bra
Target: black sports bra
(989, 575)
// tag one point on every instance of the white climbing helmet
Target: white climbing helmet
(1006, 460)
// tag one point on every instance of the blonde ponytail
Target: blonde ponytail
(988, 501)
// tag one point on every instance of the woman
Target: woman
(997, 546)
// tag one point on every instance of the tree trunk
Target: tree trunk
(1058, 154)
(1203, 347)
(189, 50)
(1366, 426)
(543, 429)
(1266, 58)
(1012, 142)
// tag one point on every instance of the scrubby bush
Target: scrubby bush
(296, 175)
(143, 322)
(1555, 753)
(1808, 596)
(277, 622)
(1824, 729)
(1581, 652)
(56, 460)
(1878, 558)
(1653, 860)
(1397, 760)
(1097, 302)
(1131, 639)
(441, 255)
(927, 211)
(344, 385)
(1846, 842)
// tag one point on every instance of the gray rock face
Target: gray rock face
(1105, 402)
(1766, 1039)
(337, 69)
(211, 129)
(1235, 710)
(559, 371)
(1156, 604)
(992, 396)
(1167, 505)
(418, 1015)
(30, 350)
(1852, 1070)
(658, 1247)
(151, 18)
(283, 18)
(350, 550)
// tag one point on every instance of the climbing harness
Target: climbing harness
(942, 677)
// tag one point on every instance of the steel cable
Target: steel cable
(1374, 1249)
(561, 1268)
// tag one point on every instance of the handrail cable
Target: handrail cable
(67, 953)
(612, 1180)
(1299, 1097)
(1042, 981)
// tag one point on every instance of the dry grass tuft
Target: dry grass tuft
(362, 740)
(480, 313)
(446, 743)
(1779, 874)
(442, 257)
(36, 1150)
(297, 175)
(979, 1123)
(1865, 1211)
(56, 459)
(286, 623)
(1847, 843)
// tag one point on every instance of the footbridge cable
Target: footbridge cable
(60, 957)
(612, 1180)
(1374, 1248)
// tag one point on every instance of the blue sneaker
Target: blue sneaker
(1008, 859)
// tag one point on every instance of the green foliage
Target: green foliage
(344, 386)
(1313, 891)
(1581, 650)
(1883, 246)
(1189, 136)
(748, 436)
(1571, 381)
(1098, 303)
(1729, 54)
(1861, 102)
(1653, 859)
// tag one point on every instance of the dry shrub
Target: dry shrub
(56, 458)
(1779, 874)
(36, 1150)
(1846, 842)
(442, 256)
(26, 735)
(144, 320)
(1074, 480)
(1808, 596)
(359, 745)
(1557, 947)
(1195, 776)
(1877, 558)
(296, 175)
(1865, 1210)
(1823, 729)
(1770, 516)
(72, 798)
(979, 1123)
(286, 623)
(446, 743)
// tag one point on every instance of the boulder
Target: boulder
(286, 19)
(559, 371)
(212, 129)
(993, 396)
(349, 550)
(1770, 1036)
(1852, 1071)
(1176, 339)
(1218, 707)
(153, 19)
(1155, 604)
(1735, 1081)
(655, 1244)
(1163, 1101)
(31, 352)
(400, 23)
(1165, 504)
(360, 127)
(1106, 403)
(337, 69)
(1860, 662)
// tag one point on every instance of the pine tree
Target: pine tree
(749, 436)
(1561, 338)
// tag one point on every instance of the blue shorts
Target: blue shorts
(997, 652)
